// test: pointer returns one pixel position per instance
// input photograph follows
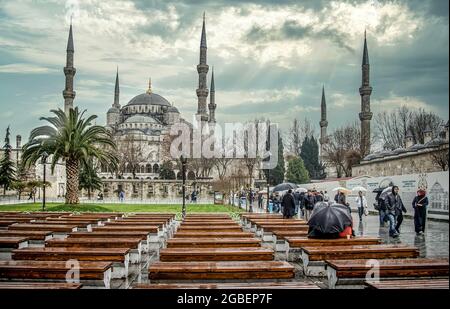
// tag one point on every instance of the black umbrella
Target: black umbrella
(329, 220)
(378, 190)
(284, 186)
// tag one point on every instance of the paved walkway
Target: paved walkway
(435, 243)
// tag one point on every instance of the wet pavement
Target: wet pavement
(434, 243)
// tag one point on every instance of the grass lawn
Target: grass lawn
(120, 208)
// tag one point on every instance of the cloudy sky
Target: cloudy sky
(270, 57)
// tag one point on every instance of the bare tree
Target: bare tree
(440, 158)
(343, 149)
(392, 127)
(221, 165)
(131, 156)
(294, 138)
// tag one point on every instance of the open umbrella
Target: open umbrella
(301, 190)
(329, 220)
(359, 188)
(341, 189)
(284, 186)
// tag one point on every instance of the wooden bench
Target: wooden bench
(75, 220)
(7, 244)
(207, 229)
(279, 242)
(81, 225)
(405, 284)
(11, 220)
(220, 270)
(39, 286)
(57, 229)
(91, 273)
(313, 258)
(295, 244)
(354, 272)
(33, 236)
(210, 223)
(134, 244)
(229, 286)
(146, 242)
(215, 254)
(213, 242)
(182, 234)
(120, 257)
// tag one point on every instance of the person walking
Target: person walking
(380, 205)
(297, 197)
(362, 204)
(394, 211)
(326, 198)
(420, 204)
(309, 204)
(288, 205)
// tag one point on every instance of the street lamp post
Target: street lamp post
(44, 161)
(183, 174)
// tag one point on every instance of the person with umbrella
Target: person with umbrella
(420, 204)
(362, 204)
(330, 221)
(288, 205)
(395, 209)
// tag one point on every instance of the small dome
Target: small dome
(148, 99)
(141, 119)
(173, 109)
(113, 110)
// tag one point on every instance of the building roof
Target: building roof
(141, 119)
(149, 99)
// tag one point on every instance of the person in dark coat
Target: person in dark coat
(309, 202)
(394, 210)
(420, 204)
(301, 204)
(288, 205)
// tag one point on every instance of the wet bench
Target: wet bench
(220, 270)
(5, 222)
(120, 257)
(156, 236)
(213, 242)
(230, 286)
(355, 272)
(34, 237)
(247, 217)
(58, 230)
(295, 244)
(209, 223)
(215, 254)
(408, 284)
(7, 244)
(266, 231)
(313, 258)
(279, 238)
(39, 286)
(196, 234)
(91, 273)
(134, 244)
(75, 220)
(207, 229)
(81, 225)
(144, 236)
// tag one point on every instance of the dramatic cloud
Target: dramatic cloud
(270, 57)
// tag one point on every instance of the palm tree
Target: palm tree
(74, 140)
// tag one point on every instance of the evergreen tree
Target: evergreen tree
(166, 171)
(89, 180)
(7, 170)
(296, 171)
(276, 175)
(310, 156)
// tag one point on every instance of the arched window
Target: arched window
(149, 168)
(179, 175)
(191, 175)
(155, 168)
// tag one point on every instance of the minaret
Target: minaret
(212, 101)
(323, 124)
(202, 69)
(116, 103)
(365, 91)
(69, 71)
